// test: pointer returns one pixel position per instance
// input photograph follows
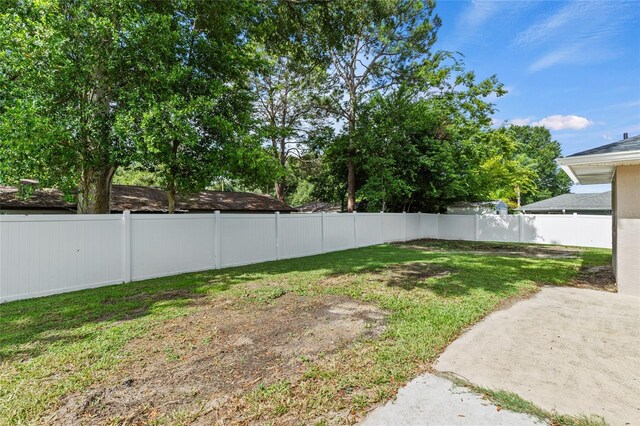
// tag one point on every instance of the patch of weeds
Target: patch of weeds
(267, 294)
(270, 399)
(315, 372)
(513, 402)
(359, 401)
(171, 354)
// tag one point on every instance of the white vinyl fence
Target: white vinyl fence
(49, 254)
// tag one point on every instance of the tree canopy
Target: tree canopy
(346, 101)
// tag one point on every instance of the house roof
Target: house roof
(45, 199)
(144, 199)
(319, 206)
(629, 144)
(593, 201)
(491, 204)
(597, 165)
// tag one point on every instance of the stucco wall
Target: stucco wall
(627, 232)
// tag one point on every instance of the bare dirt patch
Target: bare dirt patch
(187, 368)
(597, 278)
(411, 275)
(487, 248)
(406, 276)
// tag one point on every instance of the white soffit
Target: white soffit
(597, 168)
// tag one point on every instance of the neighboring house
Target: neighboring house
(319, 207)
(595, 203)
(142, 199)
(478, 207)
(618, 163)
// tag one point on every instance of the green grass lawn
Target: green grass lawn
(54, 346)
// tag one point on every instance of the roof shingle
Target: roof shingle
(144, 199)
(593, 201)
(629, 144)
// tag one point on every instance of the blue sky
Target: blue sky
(573, 67)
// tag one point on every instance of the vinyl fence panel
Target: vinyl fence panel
(393, 227)
(456, 227)
(339, 231)
(576, 230)
(429, 225)
(300, 235)
(368, 229)
(171, 244)
(48, 254)
(412, 226)
(498, 228)
(247, 238)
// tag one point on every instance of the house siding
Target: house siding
(626, 233)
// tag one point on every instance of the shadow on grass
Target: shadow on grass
(31, 326)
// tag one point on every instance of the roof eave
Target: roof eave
(610, 158)
(582, 169)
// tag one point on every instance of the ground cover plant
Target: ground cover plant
(316, 340)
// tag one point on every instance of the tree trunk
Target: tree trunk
(171, 199)
(351, 165)
(518, 195)
(280, 191)
(95, 191)
(351, 185)
(171, 181)
(282, 157)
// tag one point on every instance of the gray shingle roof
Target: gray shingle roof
(144, 199)
(629, 144)
(492, 204)
(597, 201)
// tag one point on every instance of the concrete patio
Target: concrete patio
(571, 350)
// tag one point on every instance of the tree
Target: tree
(503, 172)
(92, 85)
(536, 143)
(192, 124)
(68, 72)
(412, 146)
(373, 45)
(285, 109)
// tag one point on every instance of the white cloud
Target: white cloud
(479, 14)
(563, 122)
(555, 23)
(520, 121)
(577, 33)
(586, 51)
